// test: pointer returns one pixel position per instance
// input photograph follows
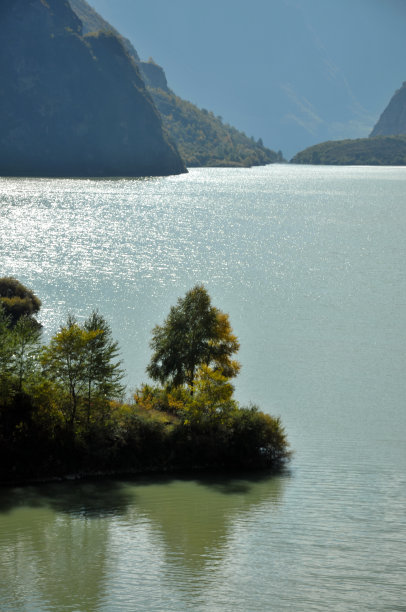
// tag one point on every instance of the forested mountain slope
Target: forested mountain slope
(378, 151)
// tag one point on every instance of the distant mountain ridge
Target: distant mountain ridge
(73, 104)
(386, 145)
(392, 122)
(201, 138)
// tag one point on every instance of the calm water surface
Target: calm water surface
(310, 264)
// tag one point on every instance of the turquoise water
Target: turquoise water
(310, 264)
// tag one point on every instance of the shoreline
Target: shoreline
(104, 475)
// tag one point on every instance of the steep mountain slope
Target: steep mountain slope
(393, 119)
(73, 105)
(201, 138)
(93, 22)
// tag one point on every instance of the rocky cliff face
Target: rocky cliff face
(93, 22)
(201, 138)
(73, 104)
(154, 76)
(392, 122)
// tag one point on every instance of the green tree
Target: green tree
(65, 362)
(6, 357)
(17, 300)
(82, 360)
(103, 369)
(195, 333)
(26, 336)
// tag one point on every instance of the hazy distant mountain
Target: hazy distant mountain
(72, 104)
(201, 138)
(393, 119)
(295, 72)
(386, 145)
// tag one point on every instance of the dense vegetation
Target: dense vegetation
(379, 151)
(203, 139)
(61, 408)
(18, 301)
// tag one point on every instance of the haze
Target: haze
(294, 72)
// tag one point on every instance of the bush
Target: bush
(17, 300)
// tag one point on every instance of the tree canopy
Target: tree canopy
(82, 361)
(204, 140)
(17, 300)
(195, 333)
(61, 408)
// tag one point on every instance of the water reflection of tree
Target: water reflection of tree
(54, 544)
(194, 517)
(67, 546)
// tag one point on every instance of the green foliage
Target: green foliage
(17, 300)
(103, 370)
(19, 347)
(192, 357)
(58, 412)
(27, 337)
(6, 356)
(204, 140)
(80, 360)
(217, 432)
(212, 430)
(64, 362)
(195, 333)
(257, 437)
(378, 151)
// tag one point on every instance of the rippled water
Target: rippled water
(310, 264)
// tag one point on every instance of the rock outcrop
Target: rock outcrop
(73, 104)
(392, 122)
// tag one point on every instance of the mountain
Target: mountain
(73, 104)
(386, 145)
(201, 138)
(93, 22)
(393, 119)
(377, 151)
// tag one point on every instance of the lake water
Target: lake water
(310, 264)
